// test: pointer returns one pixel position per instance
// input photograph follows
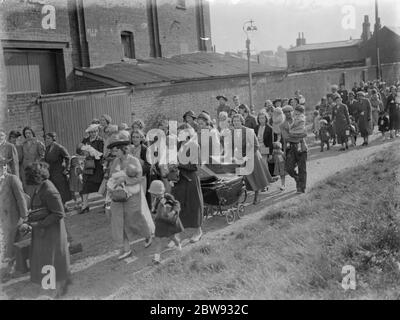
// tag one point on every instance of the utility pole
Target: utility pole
(250, 27)
(377, 27)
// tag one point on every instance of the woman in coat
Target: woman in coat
(13, 210)
(32, 150)
(364, 117)
(49, 246)
(8, 155)
(188, 191)
(266, 137)
(92, 177)
(59, 161)
(341, 121)
(393, 109)
(132, 216)
(139, 151)
(260, 176)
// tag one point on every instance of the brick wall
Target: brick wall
(21, 111)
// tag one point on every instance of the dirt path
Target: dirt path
(96, 273)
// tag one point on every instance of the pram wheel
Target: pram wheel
(240, 210)
(230, 216)
(243, 196)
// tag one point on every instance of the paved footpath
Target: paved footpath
(97, 274)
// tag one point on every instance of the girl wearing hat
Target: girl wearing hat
(167, 222)
(93, 169)
(58, 159)
(32, 150)
(132, 216)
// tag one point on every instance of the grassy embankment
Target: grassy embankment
(297, 252)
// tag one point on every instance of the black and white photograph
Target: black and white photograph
(217, 151)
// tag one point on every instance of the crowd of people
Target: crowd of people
(158, 201)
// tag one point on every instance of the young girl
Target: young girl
(324, 135)
(316, 125)
(76, 176)
(279, 163)
(383, 124)
(166, 210)
(353, 131)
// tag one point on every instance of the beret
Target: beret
(223, 97)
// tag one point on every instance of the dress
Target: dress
(188, 192)
(92, 182)
(279, 163)
(166, 228)
(75, 174)
(56, 155)
(364, 117)
(341, 122)
(49, 239)
(132, 217)
(13, 206)
(32, 150)
(393, 109)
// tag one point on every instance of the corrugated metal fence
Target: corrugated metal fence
(69, 114)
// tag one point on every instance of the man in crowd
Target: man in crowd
(222, 105)
(352, 105)
(236, 104)
(296, 152)
(250, 121)
(343, 93)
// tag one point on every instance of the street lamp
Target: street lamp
(248, 27)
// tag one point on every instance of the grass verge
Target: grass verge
(298, 251)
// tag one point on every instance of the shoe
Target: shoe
(125, 255)
(196, 238)
(148, 242)
(84, 210)
(157, 258)
(282, 188)
(275, 179)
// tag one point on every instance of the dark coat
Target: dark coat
(92, 182)
(364, 117)
(250, 122)
(49, 239)
(269, 137)
(352, 108)
(393, 109)
(55, 156)
(9, 152)
(188, 192)
(13, 207)
(342, 122)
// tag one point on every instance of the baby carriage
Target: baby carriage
(224, 196)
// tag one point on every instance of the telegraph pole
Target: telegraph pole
(378, 57)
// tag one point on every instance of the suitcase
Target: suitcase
(22, 253)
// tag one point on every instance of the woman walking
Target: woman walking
(13, 210)
(266, 137)
(59, 163)
(377, 106)
(33, 150)
(49, 246)
(132, 215)
(364, 117)
(260, 177)
(341, 121)
(188, 190)
(93, 169)
(393, 109)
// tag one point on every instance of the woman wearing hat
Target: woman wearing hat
(393, 109)
(341, 120)
(32, 150)
(190, 118)
(93, 168)
(132, 216)
(364, 116)
(188, 190)
(59, 162)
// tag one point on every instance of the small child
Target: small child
(278, 117)
(279, 163)
(166, 210)
(324, 135)
(316, 125)
(383, 124)
(76, 176)
(353, 131)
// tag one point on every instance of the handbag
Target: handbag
(119, 194)
(89, 164)
(37, 215)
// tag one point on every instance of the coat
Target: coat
(250, 122)
(364, 117)
(393, 109)
(188, 192)
(55, 156)
(10, 154)
(49, 238)
(352, 107)
(341, 121)
(13, 208)
(32, 150)
(268, 137)
(92, 182)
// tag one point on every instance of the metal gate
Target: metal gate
(69, 114)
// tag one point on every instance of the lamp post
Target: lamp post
(249, 26)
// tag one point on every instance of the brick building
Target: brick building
(43, 41)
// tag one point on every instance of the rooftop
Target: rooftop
(186, 67)
(327, 45)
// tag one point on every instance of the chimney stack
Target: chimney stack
(366, 34)
(298, 41)
(303, 40)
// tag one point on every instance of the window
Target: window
(181, 4)
(128, 44)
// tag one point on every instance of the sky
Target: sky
(279, 21)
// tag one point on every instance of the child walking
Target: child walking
(167, 222)
(279, 163)
(324, 135)
(316, 124)
(76, 177)
(383, 124)
(353, 131)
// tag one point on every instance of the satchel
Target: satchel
(89, 164)
(119, 194)
(37, 215)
